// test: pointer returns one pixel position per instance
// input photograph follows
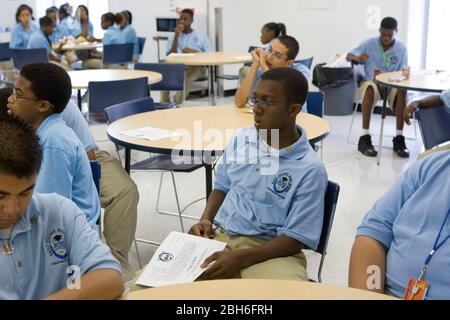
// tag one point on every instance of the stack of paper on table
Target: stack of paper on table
(150, 133)
(178, 260)
(182, 55)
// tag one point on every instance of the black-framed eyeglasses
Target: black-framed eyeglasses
(18, 96)
(262, 103)
(277, 55)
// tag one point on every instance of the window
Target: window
(438, 45)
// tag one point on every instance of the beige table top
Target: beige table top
(209, 58)
(83, 46)
(254, 290)
(425, 81)
(209, 127)
(80, 79)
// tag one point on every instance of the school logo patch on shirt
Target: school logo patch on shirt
(56, 245)
(281, 184)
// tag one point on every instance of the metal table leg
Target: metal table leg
(383, 116)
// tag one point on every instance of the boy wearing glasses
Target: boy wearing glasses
(42, 92)
(282, 53)
(269, 206)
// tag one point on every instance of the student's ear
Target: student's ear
(295, 109)
(45, 107)
(290, 63)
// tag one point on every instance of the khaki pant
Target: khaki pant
(191, 74)
(119, 198)
(392, 93)
(286, 268)
(445, 147)
(7, 72)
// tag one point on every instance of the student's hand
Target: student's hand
(262, 59)
(179, 29)
(409, 111)
(255, 57)
(223, 265)
(363, 57)
(189, 50)
(204, 228)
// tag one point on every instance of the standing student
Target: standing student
(385, 54)
(23, 29)
(41, 93)
(186, 40)
(46, 243)
(123, 20)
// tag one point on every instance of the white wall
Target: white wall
(8, 10)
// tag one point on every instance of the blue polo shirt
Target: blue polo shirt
(130, 37)
(39, 40)
(113, 36)
(194, 40)
(77, 29)
(20, 37)
(271, 192)
(74, 119)
(65, 168)
(407, 219)
(52, 236)
(392, 60)
(445, 97)
(66, 28)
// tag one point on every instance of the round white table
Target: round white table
(82, 46)
(211, 60)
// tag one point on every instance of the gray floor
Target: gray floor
(362, 183)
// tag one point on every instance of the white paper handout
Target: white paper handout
(151, 133)
(178, 260)
(182, 55)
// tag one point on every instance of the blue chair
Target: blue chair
(162, 163)
(307, 62)
(141, 41)
(434, 124)
(96, 175)
(118, 53)
(331, 199)
(5, 52)
(173, 78)
(22, 57)
(104, 94)
(315, 107)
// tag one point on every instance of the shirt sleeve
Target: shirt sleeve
(445, 97)
(404, 57)
(206, 44)
(86, 250)
(305, 217)
(222, 180)
(16, 39)
(359, 50)
(108, 38)
(378, 222)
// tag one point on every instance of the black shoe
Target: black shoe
(365, 146)
(400, 147)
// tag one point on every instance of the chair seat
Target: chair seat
(165, 163)
(227, 77)
(162, 106)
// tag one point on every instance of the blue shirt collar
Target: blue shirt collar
(48, 122)
(26, 221)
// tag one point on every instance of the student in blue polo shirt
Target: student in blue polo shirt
(282, 53)
(47, 247)
(52, 13)
(42, 92)
(386, 54)
(269, 193)
(186, 40)
(123, 20)
(83, 27)
(404, 226)
(67, 26)
(23, 29)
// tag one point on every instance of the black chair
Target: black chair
(118, 53)
(22, 57)
(104, 94)
(331, 199)
(434, 124)
(173, 78)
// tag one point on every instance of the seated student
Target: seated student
(281, 53)
(24, 28)
(269, 206)
(67, 26)
(52, 13)
(41, 39)
(399, 232)
(42, 92)
(83, 27)
(269, 33)
(186, 40)
(386, 54)
(123, 20)
(119, 194)
(45, 237)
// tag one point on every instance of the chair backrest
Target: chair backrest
(96, 173)
(22, 57)
(129, 108)
(141, 41)
(331, 199)
(173, 75)
(104, 94)
(5, 51)
(307, 62)
(118, 53)
(434, 126)
(315, 103)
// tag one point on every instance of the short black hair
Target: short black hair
(189, 12)
(52, 9)
(21, 8)
(111, 17)
(49, 82)
(5, 93)
(20, 151)
(45, 21)
(292, 44)
(293, 81)
(64, 9)
(278, 29)
(389, 23)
